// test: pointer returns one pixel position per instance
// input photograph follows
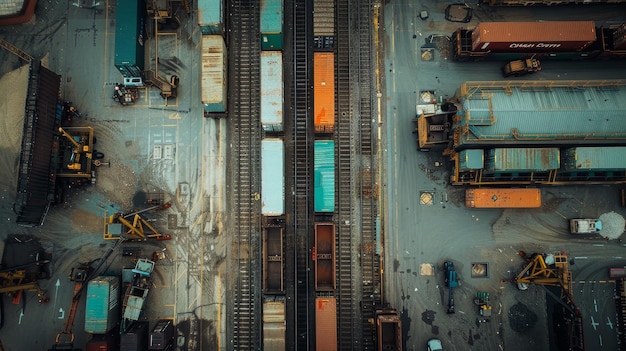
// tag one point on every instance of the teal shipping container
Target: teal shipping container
(129, 37)
(272, 91)
(210, 16)
(102, 308)
(271, 24)
(471, 159)
(324, 176)
(272, 177)
(523, 159)
(599, 158)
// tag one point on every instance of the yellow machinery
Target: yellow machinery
(65, 339)
(133, 226)
(82, 146)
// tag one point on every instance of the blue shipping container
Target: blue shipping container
(271, 24)
(272, 91)
(595, 158)
(523, 159)
(324, 176)
(471, 159)
(272, 177)
(129, 37)
(210, 16)
(102, 305)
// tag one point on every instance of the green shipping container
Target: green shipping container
(129, 37)
(271, 24)
(102, 305)
(324, 176)
(471, 159)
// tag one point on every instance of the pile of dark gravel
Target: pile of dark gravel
(521, 318)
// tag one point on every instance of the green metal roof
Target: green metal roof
(324, 177)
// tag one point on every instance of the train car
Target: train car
(324, 24)
(273, 262)
(324, 256)
(596, 158)
(272, 25)
(272, 91)
(272, 177)
(503, 198)
(388, 329)
(540, 114)
(324, 176)
(326, 324)
(324, 92)
(130, 38)
(210, 17)
(522, 159)
(214, 75)
(274, 325)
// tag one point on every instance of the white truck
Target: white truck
(585, 226)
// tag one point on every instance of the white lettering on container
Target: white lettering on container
(534, 45)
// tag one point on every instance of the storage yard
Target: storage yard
(354, 175)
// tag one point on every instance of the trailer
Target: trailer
(324, 257)
(273, 261)
(326, 324)
(214, 75)
(388, 329)
(503, 198)
(274, 326)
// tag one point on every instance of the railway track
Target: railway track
(302, 164)
(347, 320)
(244, 73)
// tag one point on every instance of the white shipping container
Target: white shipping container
(272, 91)
(214, 73)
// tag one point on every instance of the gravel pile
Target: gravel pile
(521, 318)
(612, 225)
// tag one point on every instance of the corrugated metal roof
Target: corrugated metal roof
(271, 16)
(551, 31)
(596, 158)
(324, 177)
(272, 177)
(272, 88)
(527, 115)
(523, 159)
(209, 12)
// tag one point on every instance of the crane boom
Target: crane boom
(18, 52)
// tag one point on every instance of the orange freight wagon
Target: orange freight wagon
(503, 198)
(326, 324)
(324, 91)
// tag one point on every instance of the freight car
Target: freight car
(130, 38)
(273, 261)
(324, 176)
(324, 92)
(326, 324)
(388, 329)
(563, 40)
(324, 24)
(210, 17)
(503, 198)
(546, 2)
(274, 325)
(272, 177)
(272, 91)
(214, 76)
(272, 25)
(324, 254)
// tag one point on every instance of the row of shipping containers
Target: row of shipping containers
(572, 159)
(102, 319)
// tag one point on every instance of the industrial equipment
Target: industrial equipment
(451, 282)
(481, 299)
(521, 67)
(584, 225)
(65, 339)
(125, 95)
(137, 291)
(133, 226)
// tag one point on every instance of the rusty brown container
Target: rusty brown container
(562, 36)
(324, 256)
(273, 260)
(326, 324)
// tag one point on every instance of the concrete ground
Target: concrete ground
(421, 235)
(152, 146)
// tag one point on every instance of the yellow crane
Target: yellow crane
(133, 226)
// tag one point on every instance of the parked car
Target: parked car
(434, 345)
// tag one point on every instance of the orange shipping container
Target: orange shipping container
(324, 91)
(326, 324)
(503, 198)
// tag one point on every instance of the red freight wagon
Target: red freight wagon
(324, 256)
(533, 36)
